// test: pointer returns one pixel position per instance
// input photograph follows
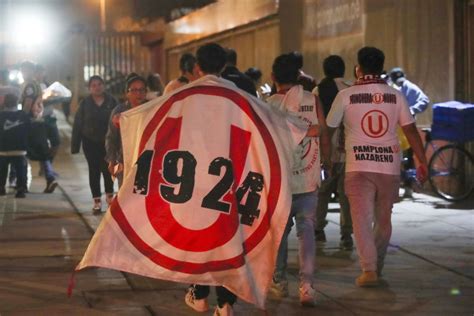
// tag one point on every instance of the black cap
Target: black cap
(397, 74)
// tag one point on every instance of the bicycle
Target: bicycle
(447, 169)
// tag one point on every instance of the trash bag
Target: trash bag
(56, 93)
(56, 90)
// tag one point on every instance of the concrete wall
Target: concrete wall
(251, 27)
(416, 35)
(252, 44)
(419, 37)
(332, 27)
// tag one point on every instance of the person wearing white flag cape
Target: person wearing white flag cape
(206, 193)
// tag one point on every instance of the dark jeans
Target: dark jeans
(334, 181)
(223, 294)
(20, 165)
(66, 105)
(95, 156)
(408, 163)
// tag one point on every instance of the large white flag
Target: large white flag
(206, 193)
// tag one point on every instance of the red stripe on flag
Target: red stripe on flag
(159, 210)
(239, 148)
(165, 261)
(273, 190)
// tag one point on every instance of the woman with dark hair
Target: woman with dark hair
(90, 128)
(135, 93)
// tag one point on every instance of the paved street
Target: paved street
(429, 268)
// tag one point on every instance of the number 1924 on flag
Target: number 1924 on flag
(185, 179)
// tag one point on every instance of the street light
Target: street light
(31, 29)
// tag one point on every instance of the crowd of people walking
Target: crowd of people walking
(359, 159)
(28, 132)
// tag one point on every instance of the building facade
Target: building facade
(432, 40)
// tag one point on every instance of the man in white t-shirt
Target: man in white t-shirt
(305, 179)
(371, 111)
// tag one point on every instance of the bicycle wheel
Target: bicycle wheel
(448, 168)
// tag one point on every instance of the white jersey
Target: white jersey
(306, 159)
(371, 111)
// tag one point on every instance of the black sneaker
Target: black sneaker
(320, 235)
(408, 194)
(3, 191)
(346, 242)
(20, 194)
(51, 186)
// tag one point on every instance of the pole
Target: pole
(103, 24)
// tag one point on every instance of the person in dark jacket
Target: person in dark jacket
(43, 142)
(136, 95)
(90, 128)
(233, 74)
(14, 125)
(334, 69)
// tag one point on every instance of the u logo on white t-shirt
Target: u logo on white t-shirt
(374, 123)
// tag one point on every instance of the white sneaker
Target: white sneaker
(279, 289)
(307, 295)
(225, 310)
(97, 208)
(200, 305)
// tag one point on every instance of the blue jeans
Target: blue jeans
(303, 208)
(49, 173)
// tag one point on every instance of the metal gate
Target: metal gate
(113, 56)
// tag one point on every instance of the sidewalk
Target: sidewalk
(429, 267)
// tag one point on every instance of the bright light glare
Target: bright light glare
(16, 76)
(30, 29)
(188, 29)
